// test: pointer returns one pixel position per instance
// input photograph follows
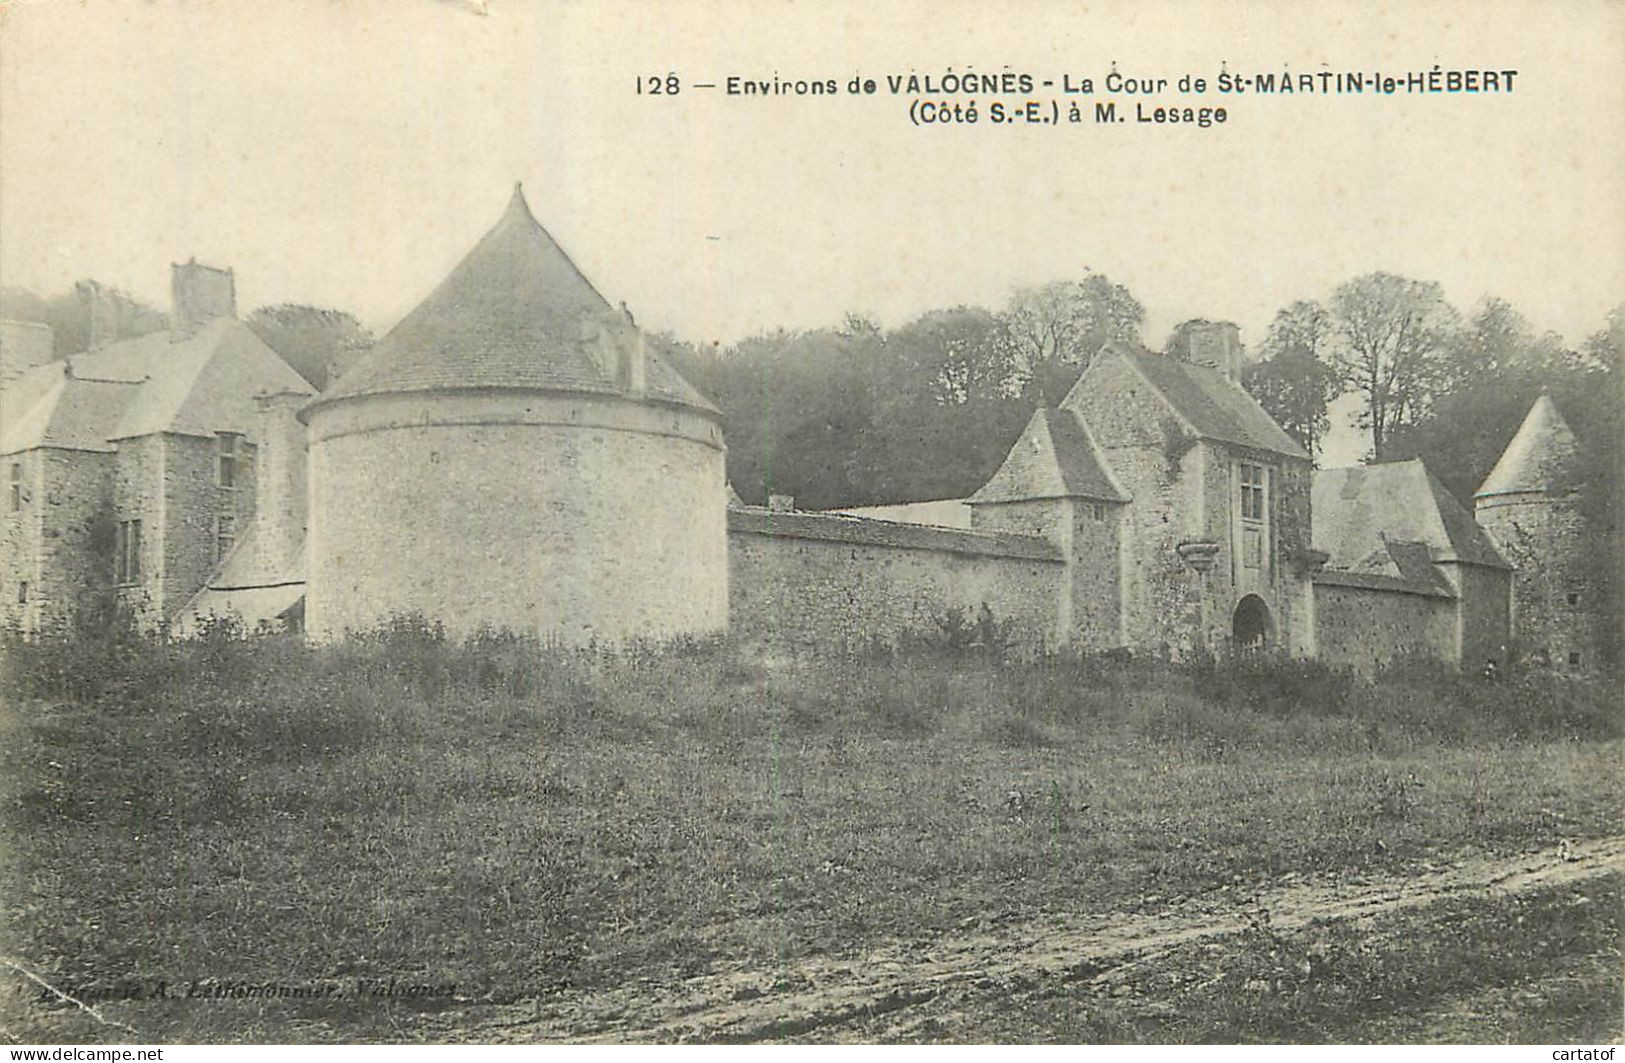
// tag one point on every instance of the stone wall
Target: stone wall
(1157, 464)
(1187, 490)
(1552, 608)
(568, 517)
(20, 538)
(279, 479)
(75, 536)
(818, 581)
(1367, 628)
(138, 494)
(171, 484)
(1483, 621)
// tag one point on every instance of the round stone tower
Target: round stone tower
(513, 457)
(1529, 504)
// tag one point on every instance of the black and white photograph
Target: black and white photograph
(811, 522)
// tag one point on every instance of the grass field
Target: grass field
(515, 824)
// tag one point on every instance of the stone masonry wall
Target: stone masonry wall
(171, 484)
(138, 494)
(75, 536)
(1365, 629)
(575, 518)
(20, 537)
(1552, 606)
(1482, 613)
(792, 589)
(1157, 464)
(1186, 490)
(194, 501)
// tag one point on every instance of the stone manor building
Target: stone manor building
(514, 455)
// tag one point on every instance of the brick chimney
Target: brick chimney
(1215, 344)
(279, 480)
(198, 294)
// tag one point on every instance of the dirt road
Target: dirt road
(821, 998)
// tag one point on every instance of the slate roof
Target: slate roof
(1395, 565)
(69, 414)
(1538, 458)
(511, 314)
(832, 527)
(1055, 457)
(200, 385)
(1361, 511)
(1214, 407)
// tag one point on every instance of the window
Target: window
(1252, 491)
(228, 446)
(1574, 597)
(225, 536)
(22, 593)
(1574, 658)
(127, 552)
(16, 486)
(1253, 508)
(1098, 511)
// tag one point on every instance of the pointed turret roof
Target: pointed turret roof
(1539, 456)
(514, 313)
(1054, 458)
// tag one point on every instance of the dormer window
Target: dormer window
(229, 445)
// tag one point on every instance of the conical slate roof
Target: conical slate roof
(1539, 456)
(1054, 458)
(514, 313)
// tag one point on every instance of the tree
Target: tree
(1497, 339)
(319, 344)
(1293, 382)
(955, 356)
(1391, 335)
(1470, 424)
(69, 314)
(1055, 329)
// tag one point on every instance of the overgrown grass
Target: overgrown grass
(520, 821)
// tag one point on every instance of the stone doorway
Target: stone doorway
(1251, 629)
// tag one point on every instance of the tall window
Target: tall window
(1253, 508)
(16, 486)
(225, 535)
(229, 447)
(1252, 491)
(127, 552)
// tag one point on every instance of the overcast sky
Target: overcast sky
(345, 153)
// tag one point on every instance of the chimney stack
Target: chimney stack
(634, 356)
(1215, 344)
(279, 480)
(104, 313)
(198, 294)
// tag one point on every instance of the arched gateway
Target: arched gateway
(1250, 628)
